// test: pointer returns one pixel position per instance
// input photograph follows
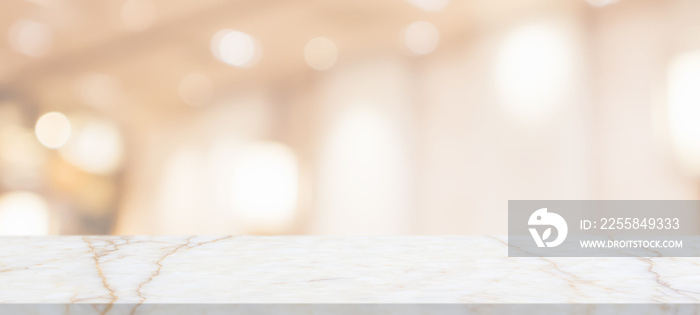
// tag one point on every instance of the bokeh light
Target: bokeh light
(53, 130)
(363, 173)
(533, 71)
(196, 89)
(684, 108)
(30, 38)
(235, 48)
(320, 53)
(265, 186)
(421, 38)
(23, 213)
(97, 145)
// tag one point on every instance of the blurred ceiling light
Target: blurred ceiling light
(429, 5)
(196, 89)
(97, 89)
(533, 71)
(601, 3)
(97, 145)
(421, 38)
(138, 15)
(235, 48)
(23, 213)
(30, 38)
(53, 130)
(684, 108)
(320, 53)
(265, 187)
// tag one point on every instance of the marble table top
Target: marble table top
(315, 269)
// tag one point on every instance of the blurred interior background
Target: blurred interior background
(339, 117)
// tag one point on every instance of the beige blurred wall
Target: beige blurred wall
(385, 141)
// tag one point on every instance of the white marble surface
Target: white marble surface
(400, 269)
